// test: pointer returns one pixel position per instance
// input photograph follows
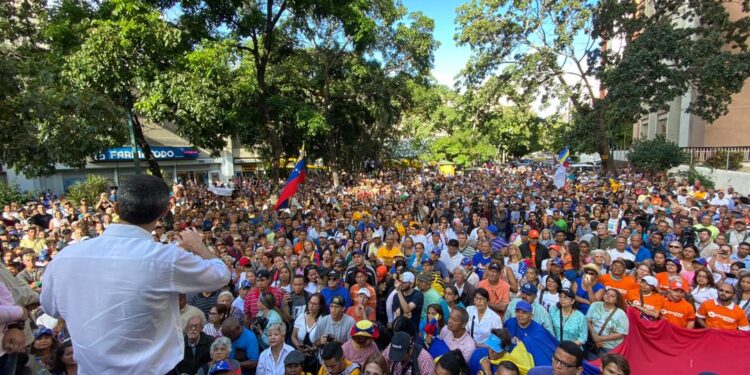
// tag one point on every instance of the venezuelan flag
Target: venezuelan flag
(564, 157)
(292, 183)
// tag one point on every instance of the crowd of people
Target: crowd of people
(397, 272)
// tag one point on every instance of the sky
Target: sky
(449, 58)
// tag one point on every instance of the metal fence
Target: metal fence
(701, 154)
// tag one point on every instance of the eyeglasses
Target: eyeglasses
(558, 362)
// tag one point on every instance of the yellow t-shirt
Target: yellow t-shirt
(388, 255)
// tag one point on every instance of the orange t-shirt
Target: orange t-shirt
(532, 247)
(652, 302)
(730, 317)
(663, 279)
(499, 293)
(567, 262)
(354, 290)
(678, 313)
(623, 285)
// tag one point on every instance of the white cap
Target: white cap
(407, 277)
(364, 291)
(650, 280)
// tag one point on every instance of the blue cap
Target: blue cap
(701, 261)
(436, 251)
(557, 262)
(41, 331)
(466, 262)
(524, 306)
(492, 229)
(220, 366)
(494, 343)
(529, 289)
(245, 284)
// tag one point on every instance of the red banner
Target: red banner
(659, 346)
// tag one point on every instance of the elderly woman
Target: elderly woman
(220, 350)
(271, 361)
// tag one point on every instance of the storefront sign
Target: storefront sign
(160, 153)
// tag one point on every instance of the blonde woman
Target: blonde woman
(513, 260)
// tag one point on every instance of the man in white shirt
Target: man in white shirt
(619, 252)
(118, 293)
(452, 258)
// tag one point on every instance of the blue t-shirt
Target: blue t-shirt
(247, 342)
(581, 292)
(480, 263)
(329, 293)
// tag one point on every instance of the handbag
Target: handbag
(590, 344)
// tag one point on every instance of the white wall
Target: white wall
(723, 179)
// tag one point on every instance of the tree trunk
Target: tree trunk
(153, 165)
(602, 147)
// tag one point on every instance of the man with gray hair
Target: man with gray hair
(465, 289)
(455, 335)
(127, 285)
(197, 347)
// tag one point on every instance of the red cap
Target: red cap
(677, 285)
(244, 261)
(533, 233)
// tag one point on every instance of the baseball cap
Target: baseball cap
(295, 357)
(427, 261)
(381, 271)
(399, 346)
(333, 275)
(436, 251)
(494, 266)
(529, 289)
(650, 280)
(492, 229)
(263, 274)
(466, 262)
(424, 277)
(245, 284)
(524, 306)
(41, 331)
(533, 233)
(407, 277)
(365, 328)
(244, 261)
(220, 366)
(338, 300)
(556, 262)
(674, 285)
(364, 291)
(494, 343)
(701, 261)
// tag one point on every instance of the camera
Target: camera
(259, 322)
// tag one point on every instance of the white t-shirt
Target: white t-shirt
(626, 255)
(303, 329)
(703, 294)
(482, 328)
(548, 299)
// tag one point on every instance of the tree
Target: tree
(655, 155)
(564, 50)
(122, 55)
(39, 108)
(360, 93)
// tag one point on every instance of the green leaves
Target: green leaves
(655, 155)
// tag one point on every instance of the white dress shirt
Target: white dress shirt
(480, 330)
(118, 294)
(266, 364)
